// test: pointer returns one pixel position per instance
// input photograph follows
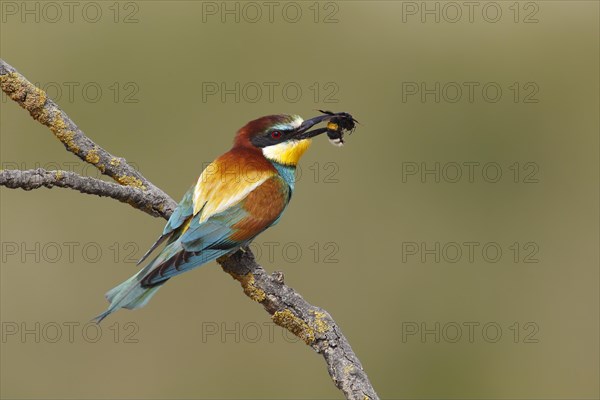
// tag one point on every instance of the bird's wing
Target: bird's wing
(223, 183)
(206, 238)
(182, 213)
(184, 210)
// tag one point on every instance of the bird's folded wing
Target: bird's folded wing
(223, 183)
(182, 213)
(184, 210)
(222, 232)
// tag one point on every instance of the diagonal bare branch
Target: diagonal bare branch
(312, 324)
(47, 112)
(287, 308)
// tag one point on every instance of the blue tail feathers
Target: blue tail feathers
(129, 294)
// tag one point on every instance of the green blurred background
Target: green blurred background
(355, 239)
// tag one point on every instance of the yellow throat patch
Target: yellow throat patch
(287, 153)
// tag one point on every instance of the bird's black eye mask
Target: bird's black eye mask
(272, 137)
(338, 124)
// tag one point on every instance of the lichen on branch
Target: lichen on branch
(48, 113)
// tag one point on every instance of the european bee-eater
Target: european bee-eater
(237, 196)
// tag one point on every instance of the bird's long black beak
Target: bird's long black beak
(303, 132)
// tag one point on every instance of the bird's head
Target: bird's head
(281, 138)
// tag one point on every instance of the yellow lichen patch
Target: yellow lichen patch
(114, 161)
(319, 323)
(249, 285)
(13, 85)
(126, 180)
(25, 93)
(101, 167)
(58, 126)
(92, 156)
(286, 319)
(348, 369)
(58, 175)
(67, 137)
(44, 117)
(5, 81)
(36, 98)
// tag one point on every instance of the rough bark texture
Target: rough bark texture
(287, 308)
(149, 202)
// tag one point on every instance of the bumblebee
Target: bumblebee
(338, 126)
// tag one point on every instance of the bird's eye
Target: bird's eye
(276, 134)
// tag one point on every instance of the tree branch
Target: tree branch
(310, 323)
(287, 308)
(47, 112)
(136, 197)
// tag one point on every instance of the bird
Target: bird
(237, 196)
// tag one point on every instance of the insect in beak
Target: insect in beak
(337, 125)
